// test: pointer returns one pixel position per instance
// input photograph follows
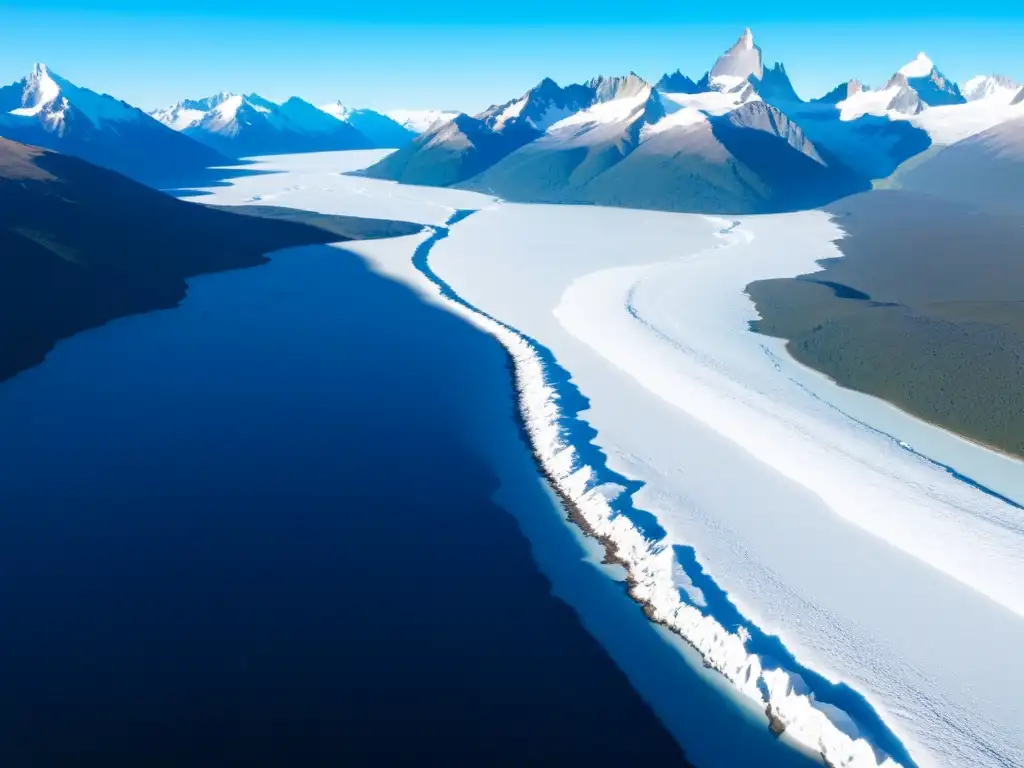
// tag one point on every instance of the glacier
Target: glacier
(763, 501)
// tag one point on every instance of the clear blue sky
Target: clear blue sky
(467, 54)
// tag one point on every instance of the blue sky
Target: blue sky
(466, 54)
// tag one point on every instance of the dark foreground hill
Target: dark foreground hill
(925, 310)
(81, 245)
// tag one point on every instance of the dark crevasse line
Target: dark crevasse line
(952, 471)
(579, 433)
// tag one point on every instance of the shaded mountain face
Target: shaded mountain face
(633, 154)
(932, 87)
(44, 109)
(452, 152)
(247, 126)
(774, 86)
(81, 245)
(380, 130)
(841, 92)
(1019, 98)
(806, 176)
(677, 82)
(562, 152)
(574, 151)
(985, 171)
(712, 146)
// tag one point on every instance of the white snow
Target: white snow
(950, 124)
(337, 110)
(872, 565)
(921, 66)
(221, 119)
(1001, 89)
(178, 117)
(712, 103)
(945, 124)
(419, 120)
(40, 91)
(512, 111)
(47, 96)
(314, 181)
(604, 113)
(681, 118)
(740, 62)
(866, 102)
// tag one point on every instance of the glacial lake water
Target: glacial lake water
(294, 522)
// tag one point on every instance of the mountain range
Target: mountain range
(249, 125)
(46, 110)
(739, 139)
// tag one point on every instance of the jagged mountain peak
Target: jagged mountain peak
(989, 86)
(741, 61)
(677, 82)
(842, 92)
(764, 117)
(49, 111)
(242, 125)
(547, 85)
(41, 88)
(617, 87)
(899, 80)
(932, 87)
(775, 85)
(382, 130)
(51, 99)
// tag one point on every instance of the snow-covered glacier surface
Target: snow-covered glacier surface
(811, 543)
(871, 563)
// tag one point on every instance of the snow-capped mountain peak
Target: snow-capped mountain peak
(47, 97)
(930, 85)
(47, 110)
(994, 87)
(740, 62)
(619, 87)
(243, 125)
(40, 90)
(338, 110)
(419, 120)
(381, 130)
(921, 66)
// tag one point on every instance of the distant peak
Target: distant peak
(41, 73)
(617, 87)
(741, 61)
(921, 66)
(40, 90)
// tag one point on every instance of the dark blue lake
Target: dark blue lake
(284, 524)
